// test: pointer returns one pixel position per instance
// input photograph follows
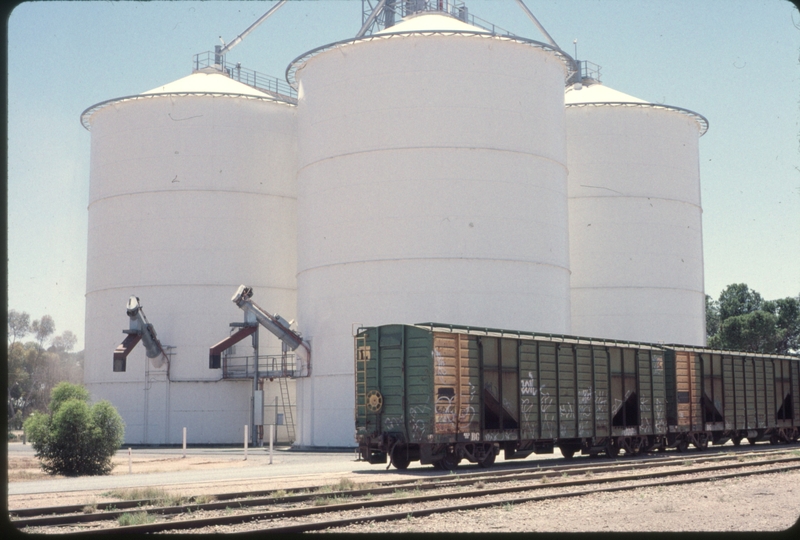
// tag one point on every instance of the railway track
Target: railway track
(297, 511)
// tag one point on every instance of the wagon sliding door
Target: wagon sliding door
(652, 393)
(500, 369)
(624, 392)
(784, 411)
(456, 380)
(713, 396)
(687, 386)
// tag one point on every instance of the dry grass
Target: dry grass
(158, 496)
(24, 469)
(137, 518)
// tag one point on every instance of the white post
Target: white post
(245, 442)
(271, 429)
(184, 442)
(129, 461)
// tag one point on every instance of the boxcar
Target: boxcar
(442, 393)
(716, 396)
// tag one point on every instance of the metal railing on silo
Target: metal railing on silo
(269, 366)
(395, 10)
(265, 83)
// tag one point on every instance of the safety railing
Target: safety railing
(455, 8)
(270, 366)
(589, 70)
(265, 83)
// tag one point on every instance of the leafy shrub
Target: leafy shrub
(75, 438)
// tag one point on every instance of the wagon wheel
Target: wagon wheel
(736, 441)
(568, 452)
(449, 462)
(682, 446)
(612, 450)
(400, 457)
(374, 401)
(752, 440)
(635, 444)
(488, 461)
(774, 439)
(702, 442)
(646, 444)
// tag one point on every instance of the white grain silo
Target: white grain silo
(636, 243)
(431, 187)
(192, 193)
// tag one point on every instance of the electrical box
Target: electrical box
(258, 407)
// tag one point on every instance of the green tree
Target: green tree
(65, 342)
(75, 438)
(753, 332)
(26, 367)
(32, 371)
(738, 299)
(787, 313)
(19, 325)
(743, 320)
(43, 329)
(712, 317)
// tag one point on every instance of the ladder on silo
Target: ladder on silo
(288, 419)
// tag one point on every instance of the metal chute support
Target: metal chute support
(276, 324)
(139, 330)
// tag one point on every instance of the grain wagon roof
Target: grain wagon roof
(726, 352)
(564, 338)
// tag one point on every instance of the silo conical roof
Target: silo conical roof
(431, 22)
(205, 82)
(597, 93)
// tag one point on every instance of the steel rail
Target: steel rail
(356, 505)
(223, 500)
(333, 524)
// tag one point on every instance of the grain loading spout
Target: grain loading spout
(277, 325)
(139, 330)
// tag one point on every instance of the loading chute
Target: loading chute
(277, 325)
(140, 330)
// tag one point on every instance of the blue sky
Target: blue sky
(733, 61)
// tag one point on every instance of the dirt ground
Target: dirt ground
(27, 469)
(759, 503)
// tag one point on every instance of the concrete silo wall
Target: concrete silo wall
(431, 186)
(636, 245)
(190, 196)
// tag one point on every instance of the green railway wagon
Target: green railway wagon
(721, 395)
(439, 394)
